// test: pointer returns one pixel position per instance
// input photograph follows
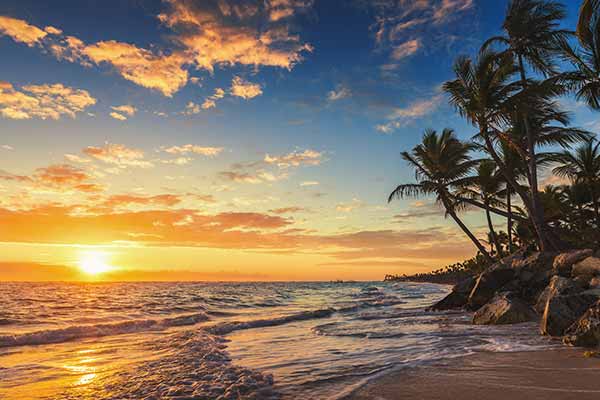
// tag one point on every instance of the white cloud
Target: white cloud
(118, 116)
(399, 117)
(405, 49)
(7, 147)
(125, 109)
(194, 149)
(295, 158)
(309, 183)
(340, 92)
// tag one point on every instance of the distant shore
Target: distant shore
(562, 373)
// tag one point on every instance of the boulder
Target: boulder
(587, 267)
(585, 332)
(558, 286)
(503, 309)
(563, 262)
(533, 275)
(488, 282)
(563, 310)
(594, 283)
(457, 298)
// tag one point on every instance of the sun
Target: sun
(94, 263)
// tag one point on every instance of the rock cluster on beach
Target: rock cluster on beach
(561, 290)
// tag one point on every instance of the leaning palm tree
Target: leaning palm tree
(486, 185)
(582, 166)
(442, 164)
(533, 37)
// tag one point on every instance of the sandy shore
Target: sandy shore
(554, 374)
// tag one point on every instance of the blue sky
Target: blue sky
(330, 91)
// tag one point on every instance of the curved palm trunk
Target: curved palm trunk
(537, 214)
(466, 230)
(595, 205)
(509, 221)
(493, 232)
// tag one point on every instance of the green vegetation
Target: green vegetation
(510, 94)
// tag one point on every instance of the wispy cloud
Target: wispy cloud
(401, 116)
(118, 155)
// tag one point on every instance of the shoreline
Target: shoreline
(562, 373)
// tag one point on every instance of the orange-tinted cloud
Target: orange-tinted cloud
(244, 89)
(194, 149)
(119, 155)
(296, 158)
(42, 101)
(57, 177)
(21, 31)
(225, 32)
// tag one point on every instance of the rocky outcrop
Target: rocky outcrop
(587, 267)
(532, 276)
(563, 263)
(504, 309)
(489, 282)
(563, 310)
(558, 286)
(585, 332)
(457, 298)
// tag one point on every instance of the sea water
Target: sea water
(227, 340)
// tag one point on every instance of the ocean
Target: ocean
(227, 340)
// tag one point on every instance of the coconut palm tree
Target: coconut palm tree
(486, 185)
(582, 166)
(442, 164)
(533, 37)
(585, 79)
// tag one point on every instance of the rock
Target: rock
(558, 286)
(503, 309)
(594, 283)
(457, 298)
(564, 262)
(562, 310)
(589, 266)
(533, 275)
(488, 282)
(585, 332)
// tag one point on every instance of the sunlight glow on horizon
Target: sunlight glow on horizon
(94, 263)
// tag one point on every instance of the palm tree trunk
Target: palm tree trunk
(509, 220)
(595, 205)
(466, 230)
(537, 209)
(493, 232)
(494, 210)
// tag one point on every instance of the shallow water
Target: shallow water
(226, 340)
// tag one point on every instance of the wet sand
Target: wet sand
(563, 374)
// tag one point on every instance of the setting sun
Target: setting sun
(94, 263)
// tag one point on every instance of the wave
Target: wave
(224, 328)
(71, 333)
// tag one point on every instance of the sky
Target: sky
(228, 140)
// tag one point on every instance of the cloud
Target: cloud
(7, 147)
(126, 109)
(20, 31)
(405, 49)
(401, 116)
(349, 207)
(57, 178)
(191, 108)
(49, 101)
(404, 27)
(225, 33)
(296, 158)
(256, 177)
(208, 104)
(77, 159)
(124, 200)
(118, 116)
(244, 89)
(119, 155)
(194, 149)
(309, 183)
(287, 210)
(144, 68)
(205, 35)
(341, 92)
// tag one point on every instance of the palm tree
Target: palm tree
(587, 12)
(585, 80)
(483, 95)
(533, 37)
(485, 185)
(582, 167)
(442, 164)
